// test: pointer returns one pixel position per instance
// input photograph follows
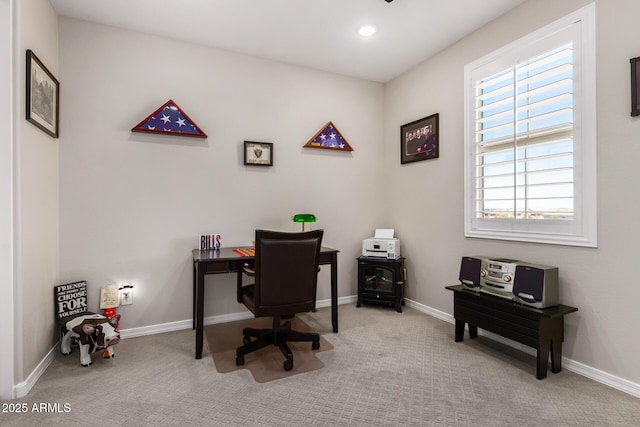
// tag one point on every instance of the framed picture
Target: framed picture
(330, 138)
(419, 140)
(170, 119)
(635, 87)
(258, 153)
(42, 96)
(109, 297)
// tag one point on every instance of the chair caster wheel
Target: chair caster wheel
(288, 365)
(246, 340)
(315, 345)
(239, 360)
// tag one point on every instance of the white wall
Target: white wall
(133, 205)
(36, 171)
(598, 281)
(7, 359)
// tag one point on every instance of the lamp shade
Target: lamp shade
(304, 218)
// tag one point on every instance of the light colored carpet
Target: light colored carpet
(386, 369)
(265, 364)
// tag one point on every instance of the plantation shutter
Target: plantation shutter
(524, 145)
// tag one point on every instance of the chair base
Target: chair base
(279, 335)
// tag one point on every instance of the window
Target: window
(530, 137)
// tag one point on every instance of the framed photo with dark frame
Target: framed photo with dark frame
(635, 86)
(419, 140)
(258, 153)
(43, 92)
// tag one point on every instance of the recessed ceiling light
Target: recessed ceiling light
(367, 30)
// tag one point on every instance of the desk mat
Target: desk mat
(265, 364)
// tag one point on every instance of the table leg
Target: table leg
(557, 337)
(473, 331)
(556, 357)
(334, 292)
(193, 313)
(199, 312)
(542, 359)
(239, 296)
(459, 330)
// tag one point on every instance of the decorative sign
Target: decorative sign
(330, 138)
(210, 241)
(170, 119)
(70, 299)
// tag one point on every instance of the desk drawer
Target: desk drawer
(217, 267)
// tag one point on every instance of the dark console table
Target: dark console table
(542, 329)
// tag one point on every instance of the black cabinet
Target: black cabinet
(381, 281)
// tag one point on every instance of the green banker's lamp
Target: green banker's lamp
(304, 218)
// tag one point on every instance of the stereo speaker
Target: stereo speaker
(536, 285)
(470, 271)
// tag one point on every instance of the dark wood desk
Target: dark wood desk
(226, 260)
(542, 329)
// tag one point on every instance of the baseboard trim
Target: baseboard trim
(22, 389)
(626, 386)
(211, 320)
(341, 300)
(570, 365)
(181, 324)
(602, 377)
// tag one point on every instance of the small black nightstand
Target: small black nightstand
(381, 281)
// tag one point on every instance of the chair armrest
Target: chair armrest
(248, 271)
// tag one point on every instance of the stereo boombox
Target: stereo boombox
(529, 284)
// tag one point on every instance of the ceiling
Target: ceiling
(319, 34)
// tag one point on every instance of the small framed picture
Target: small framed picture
(258, 153)
(109, 297)
(635, 86)
(419, 140)
(42, 96)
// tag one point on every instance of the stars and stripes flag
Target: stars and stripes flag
(170, 119)
(329, 137)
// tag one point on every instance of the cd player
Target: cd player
(497, 276)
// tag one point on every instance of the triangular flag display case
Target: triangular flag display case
(170, 119)
(329, 137)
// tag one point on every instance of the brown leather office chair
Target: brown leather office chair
(286, 275)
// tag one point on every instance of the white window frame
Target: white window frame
(582, 229)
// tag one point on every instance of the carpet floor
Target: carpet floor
(386, 369)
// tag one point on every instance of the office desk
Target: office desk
(226, 260)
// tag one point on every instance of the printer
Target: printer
(382, 245)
